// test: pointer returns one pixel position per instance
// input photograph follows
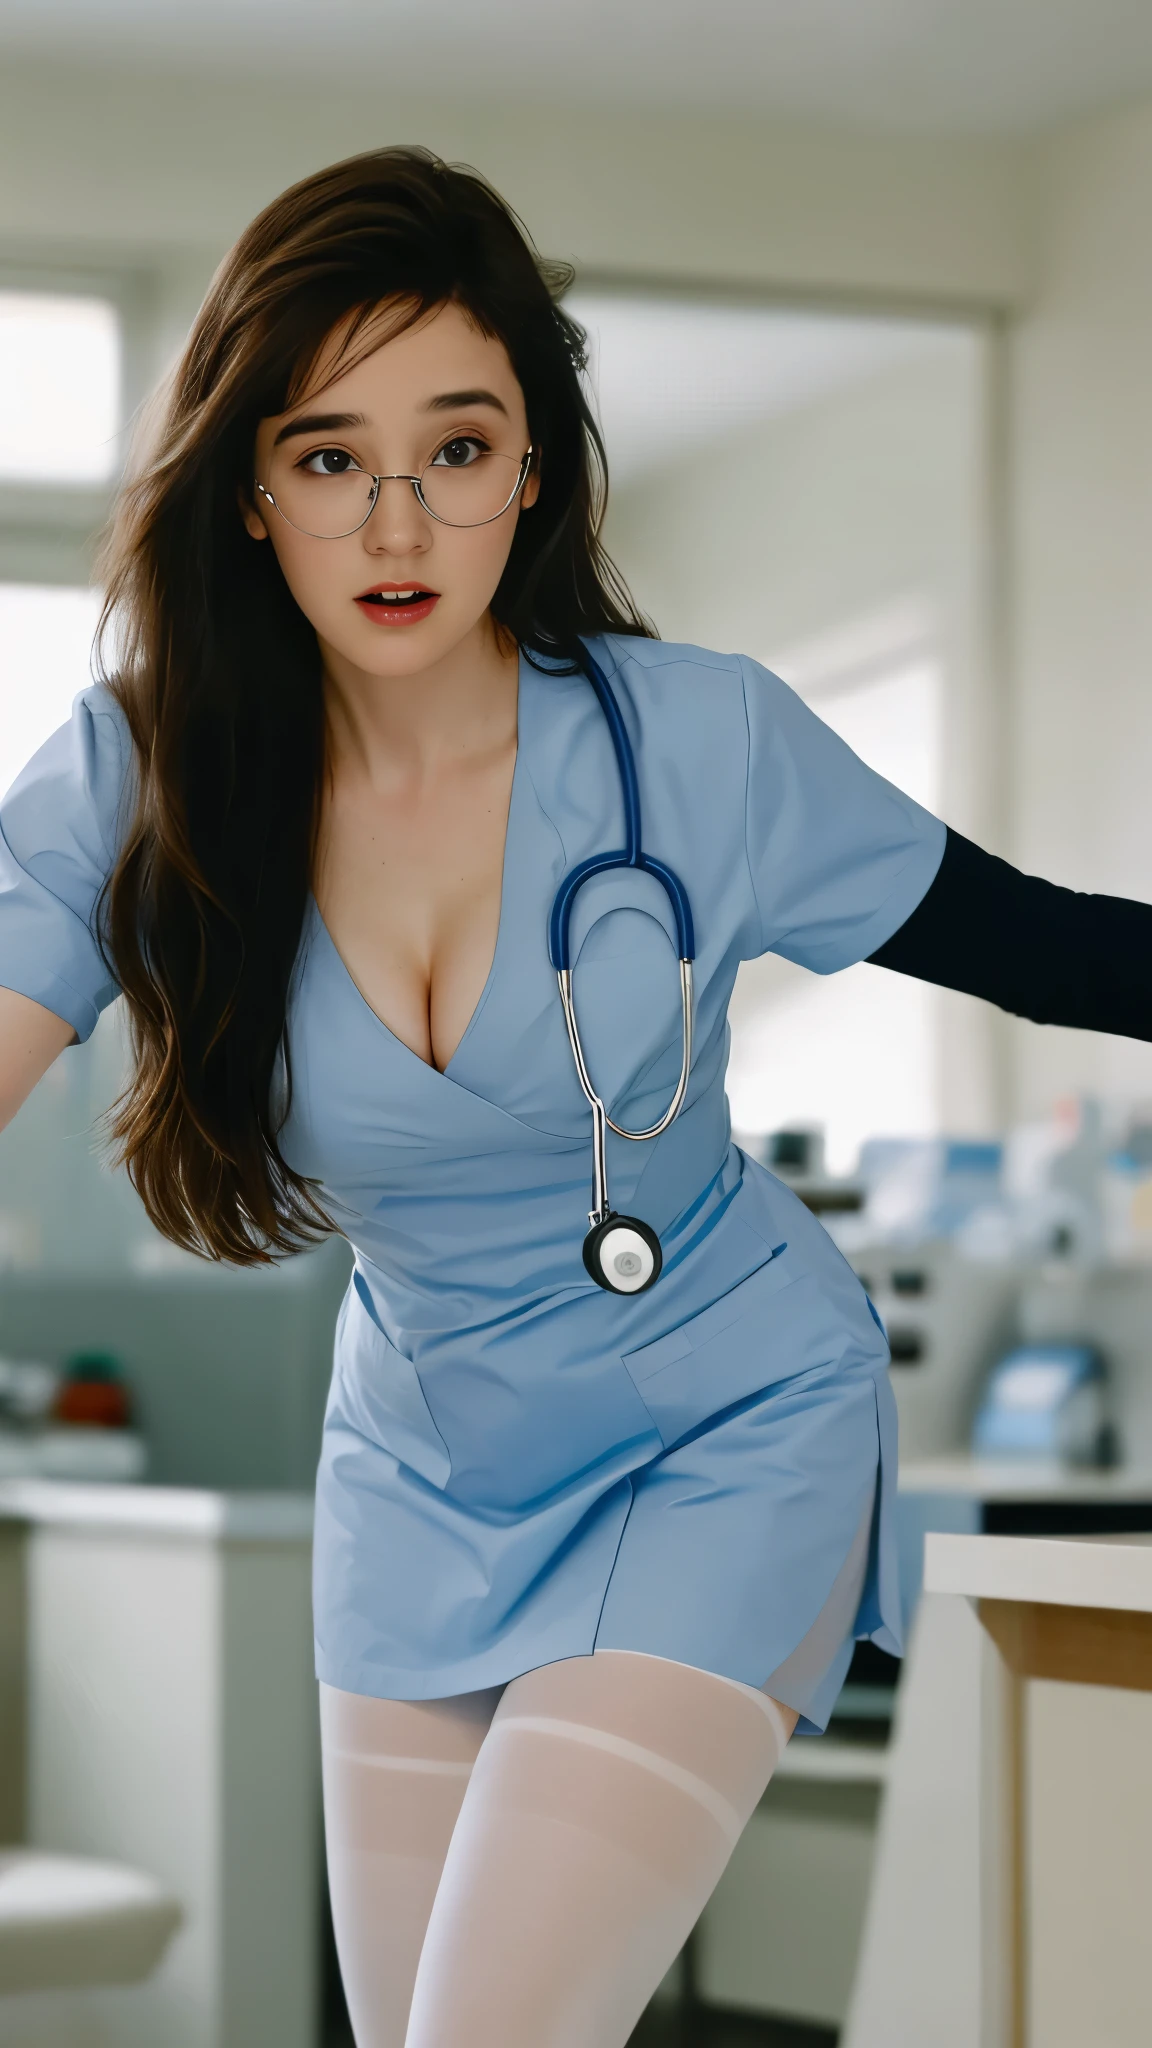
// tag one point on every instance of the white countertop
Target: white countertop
(80, 1456)
(160, 1510)
(1001, 1479)
(1088, 1571)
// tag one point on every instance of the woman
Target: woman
(584, 1555)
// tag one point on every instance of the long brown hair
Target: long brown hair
(218, 671)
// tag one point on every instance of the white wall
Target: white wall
(174, 165)
(869, 501)
(1081, 397)
(850, 518)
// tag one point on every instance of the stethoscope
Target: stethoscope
(621, 1253)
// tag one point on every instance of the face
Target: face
(441, 401)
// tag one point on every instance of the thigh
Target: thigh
(606, 1800)
(395, 1774)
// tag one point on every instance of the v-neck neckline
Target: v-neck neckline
(444, 1073)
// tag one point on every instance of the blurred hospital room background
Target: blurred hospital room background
(868, 290)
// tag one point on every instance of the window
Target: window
(45, 647)
(60, 374)
(62, 379)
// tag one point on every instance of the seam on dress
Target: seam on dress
(83, 1018)
(717, 664)
(781, 939)
(748, 803)
(125, 754)
(620, 1539)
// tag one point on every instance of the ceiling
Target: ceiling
(945, 65)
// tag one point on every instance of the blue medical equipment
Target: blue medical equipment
(621, 1253)
(1045, 1402)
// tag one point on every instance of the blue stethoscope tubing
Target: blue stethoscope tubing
(621, 1253)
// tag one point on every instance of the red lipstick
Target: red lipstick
(397, 604)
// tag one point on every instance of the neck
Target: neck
(385, 727)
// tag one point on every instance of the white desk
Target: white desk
(170, 1725)
(925, 1977)
(1065, 1783)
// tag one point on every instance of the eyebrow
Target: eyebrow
(319, 423)
(449, 401)
(335, 422)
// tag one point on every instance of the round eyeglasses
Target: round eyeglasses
(329, 496)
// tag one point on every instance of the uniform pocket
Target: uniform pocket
(380, 1391)
(759, 1332)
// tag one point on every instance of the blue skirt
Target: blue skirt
(735, 1461)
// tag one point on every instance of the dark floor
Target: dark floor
(706, 2027)
(701, 2027)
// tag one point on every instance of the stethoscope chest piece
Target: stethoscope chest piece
(622, 1254)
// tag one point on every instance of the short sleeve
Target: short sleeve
(839, 858)
(60, 825)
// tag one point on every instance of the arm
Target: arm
(59, 827)
(1039, 951)
(30, 1039)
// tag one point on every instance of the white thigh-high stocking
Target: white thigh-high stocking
(395, 1774)
(607, 1797)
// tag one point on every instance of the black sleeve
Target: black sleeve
(1046, 953)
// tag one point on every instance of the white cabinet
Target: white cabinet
(171, 1725)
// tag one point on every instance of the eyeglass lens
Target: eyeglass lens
(332, 497)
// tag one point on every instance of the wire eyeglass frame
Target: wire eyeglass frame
(402, 477)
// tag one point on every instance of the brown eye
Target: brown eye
(329, 462)
(459, 453)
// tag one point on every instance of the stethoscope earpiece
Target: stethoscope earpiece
(620, 1253)
(623, 1255)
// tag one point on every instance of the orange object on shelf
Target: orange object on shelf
(93, 1395)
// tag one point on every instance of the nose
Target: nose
(398, 523)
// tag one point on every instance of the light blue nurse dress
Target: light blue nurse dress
(517, 1466)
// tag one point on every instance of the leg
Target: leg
(395, 1774)
(607, 1797)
